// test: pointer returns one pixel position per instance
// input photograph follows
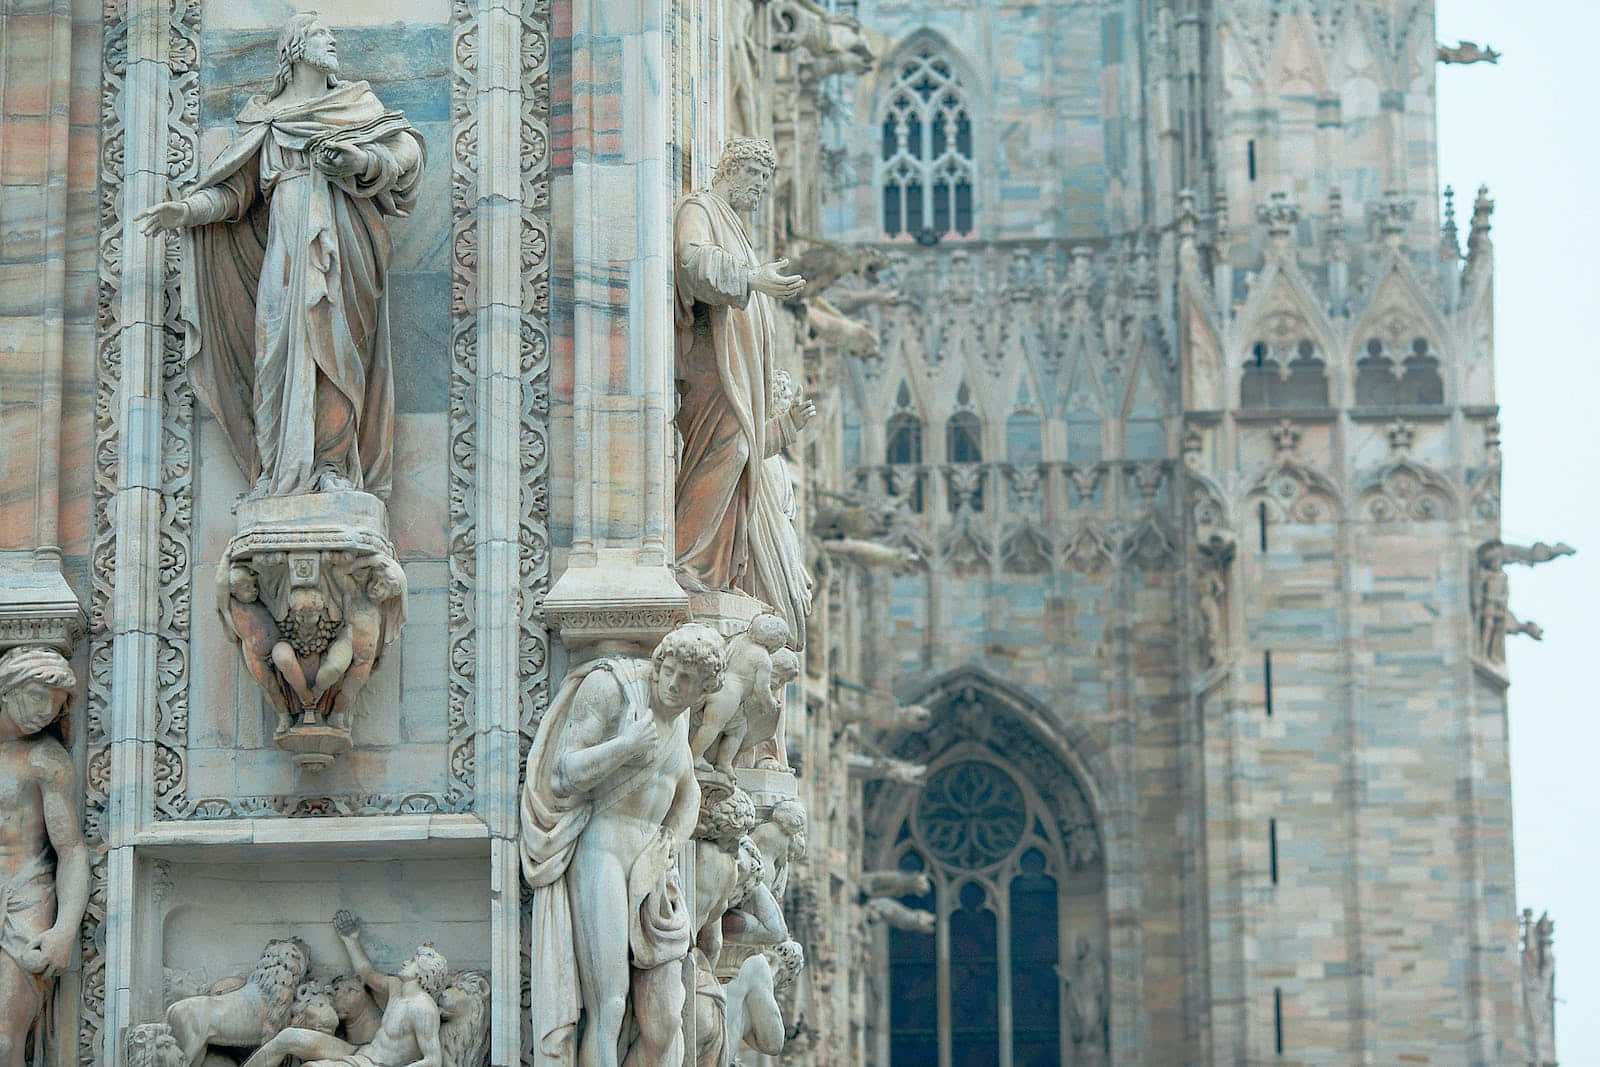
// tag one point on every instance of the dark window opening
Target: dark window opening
(1272, 848)
(1261, 521)
(1250, 154)
(963, 438)
(1266, 679)
(1277, 1020)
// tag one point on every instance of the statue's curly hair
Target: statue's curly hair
(790, 815)
(727, 819)
(433, 972)
(739, 149)
(694, 644)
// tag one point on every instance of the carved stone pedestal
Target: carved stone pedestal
(725, 611)
(310, 591)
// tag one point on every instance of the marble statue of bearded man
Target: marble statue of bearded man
(285, 270)
(724, 330)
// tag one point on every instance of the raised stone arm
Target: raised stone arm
(348, 927)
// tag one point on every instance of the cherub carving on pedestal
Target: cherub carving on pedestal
(743, 713)
(44, 863)
(339, 610)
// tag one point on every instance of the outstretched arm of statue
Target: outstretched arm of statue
(58, 788)
(770, 278)
(228, 199)
(601, 736)
(785, 429)
(348, 927)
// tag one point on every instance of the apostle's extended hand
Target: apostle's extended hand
(167, 215)
(341, 160)
(770, 278)
(802, 411)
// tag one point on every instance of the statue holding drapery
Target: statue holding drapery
(285, 268)
(732, 533)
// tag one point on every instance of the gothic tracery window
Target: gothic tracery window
(996, 876)
(926, 155)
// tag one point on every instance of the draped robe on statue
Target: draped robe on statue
(726, 525)
(552, 823)
(285, 302)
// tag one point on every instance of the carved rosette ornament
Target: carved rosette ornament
(311, 593)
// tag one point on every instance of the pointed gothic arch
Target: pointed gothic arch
(1012, 828)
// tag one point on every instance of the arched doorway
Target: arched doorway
(1014, 972)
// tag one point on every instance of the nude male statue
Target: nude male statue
(41, 903)
(610, 796)
(408, 1035)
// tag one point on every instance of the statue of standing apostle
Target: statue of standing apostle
(285, 265)
(725, 374)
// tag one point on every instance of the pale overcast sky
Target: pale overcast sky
(1527, 128)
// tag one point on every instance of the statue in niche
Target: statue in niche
(152, 1045)
(285, 270)
(1086, 1001)
(609, 797)
(724, 322)
(242, 1012)
(338, 611)
(780, 577)
(44, 863)
(743, 712)
(1539, 987)
(408, 1034)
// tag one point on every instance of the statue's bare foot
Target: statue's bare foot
(771, 763)
(285, 724)
(261, 490)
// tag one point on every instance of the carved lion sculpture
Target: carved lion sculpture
(248, 1016)
(464, 1009)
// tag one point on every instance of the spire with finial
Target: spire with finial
(1482, 209)
(1449, 240)
(1479, 247)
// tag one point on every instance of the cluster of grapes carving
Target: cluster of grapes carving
(971, 815)
(309, 637)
